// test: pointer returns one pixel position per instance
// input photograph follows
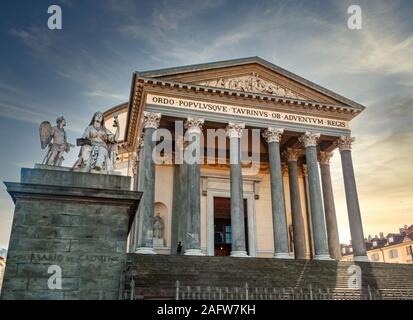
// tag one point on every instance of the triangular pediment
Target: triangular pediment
(253, 75)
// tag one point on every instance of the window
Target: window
(228, 234)
(374, 243)
(393, 254)
(409, 251)
(375, 257)
(391, 240)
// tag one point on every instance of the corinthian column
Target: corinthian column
(193, 235)
(145, 233)
(353, 207)
(309, 140)
(138, 173)
(140, 169)
(292, 155)
(238, 249)
(273, 137)
(329, 207)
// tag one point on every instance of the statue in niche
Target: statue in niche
(158, 231)
(158, 226)
(99, 146)
(55, 139)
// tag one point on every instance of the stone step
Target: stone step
(155, 276)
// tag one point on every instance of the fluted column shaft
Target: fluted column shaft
(273, 137)
(192, 158)
(238, 249)
(308, 205)
(329, 206)
(291, 156)
(317, 211)
(140, 170)
(145, 232)
(353, 207)
(138, 177)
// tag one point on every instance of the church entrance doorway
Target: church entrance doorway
(222, 226)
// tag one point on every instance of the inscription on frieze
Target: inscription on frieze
(250, 112)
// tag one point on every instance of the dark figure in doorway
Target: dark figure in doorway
(179, 248)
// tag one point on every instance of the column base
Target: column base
(323, 257)
(193, 252)
(145, 250)
(361, 259)
(282, 255)
(239, 254)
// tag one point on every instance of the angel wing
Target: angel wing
(46, 132)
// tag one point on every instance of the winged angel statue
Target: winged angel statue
(55, 139)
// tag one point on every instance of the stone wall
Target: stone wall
(70, 221)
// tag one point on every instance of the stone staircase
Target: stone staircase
(170, 277)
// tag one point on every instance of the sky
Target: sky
(88, 65)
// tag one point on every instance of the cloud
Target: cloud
(382, 161)
(100, 93)
(8, 88)
(24, 113)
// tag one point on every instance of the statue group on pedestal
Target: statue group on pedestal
(99, 146)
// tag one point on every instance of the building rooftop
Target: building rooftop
(405, 234)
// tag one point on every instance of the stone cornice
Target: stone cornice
(248, 61)
(139, 83)
(252, 95)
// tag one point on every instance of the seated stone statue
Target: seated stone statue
(98, 146)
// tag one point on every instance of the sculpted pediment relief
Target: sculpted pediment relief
(252, 83)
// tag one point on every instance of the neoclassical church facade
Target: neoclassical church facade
(265, 190)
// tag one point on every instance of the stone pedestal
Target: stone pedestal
(158, 243)
(69, 223)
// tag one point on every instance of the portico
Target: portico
(297, 124)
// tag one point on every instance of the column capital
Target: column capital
(194, 125)
(139, 143)
(151, 120)
(309, 139)
(234, 130)
(344, 143)
(324, 157)
(273, 134)
(292, 154)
